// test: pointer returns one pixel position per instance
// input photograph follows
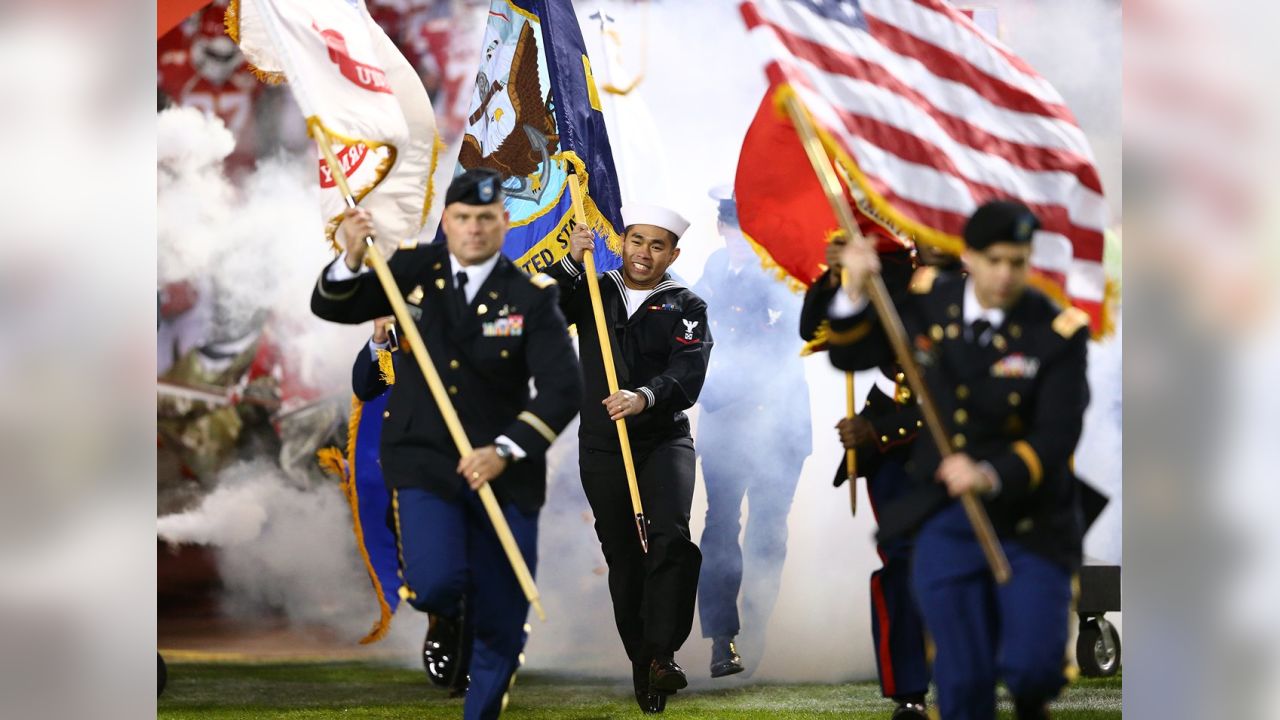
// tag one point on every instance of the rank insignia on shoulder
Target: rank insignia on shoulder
(1016, 365)
(542, 281)
(1069, 321)
(509, 326)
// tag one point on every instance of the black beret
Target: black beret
(477, 186)
(1000, 221)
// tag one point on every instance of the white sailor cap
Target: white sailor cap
(654, 215)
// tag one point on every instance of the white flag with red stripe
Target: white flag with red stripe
(347, 75)
(931, 117)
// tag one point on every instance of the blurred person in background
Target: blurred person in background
(199, 65)
(753, 436)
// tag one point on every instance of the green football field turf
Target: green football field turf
(369, 690)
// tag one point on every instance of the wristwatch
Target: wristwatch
(504, 452)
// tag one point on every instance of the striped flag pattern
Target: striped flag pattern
(930, 117)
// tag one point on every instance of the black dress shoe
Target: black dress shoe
(440, 649)
(650, 702)
(666, 677)
(1030, 710)
(724, 658)
(910, 711)
(461, 672)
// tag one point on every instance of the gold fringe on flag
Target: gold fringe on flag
(437, 144)
(332, 461)
(386, 366)
(383, 624)
(231, 22)
(771, 267)
(595, 219)
(379, 174)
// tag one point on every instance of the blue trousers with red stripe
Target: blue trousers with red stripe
(450, 552)
(896, 627)
(1016, 632)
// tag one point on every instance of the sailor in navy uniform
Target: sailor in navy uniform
(751, 443)
(1006, 367)
(661, 346)
(490, 329)
(882, 435)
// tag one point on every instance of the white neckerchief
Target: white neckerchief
(476, 274)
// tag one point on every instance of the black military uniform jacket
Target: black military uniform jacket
(661, 351)
(895, 419)
(512, 332)
(1017, 403)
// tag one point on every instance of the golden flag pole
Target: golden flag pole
(438, 393)
(896, 333)
(851, 455)
(610, 372)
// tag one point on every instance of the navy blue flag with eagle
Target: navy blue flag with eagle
(535, 117)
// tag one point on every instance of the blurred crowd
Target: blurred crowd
(226, 391)
(199, 65)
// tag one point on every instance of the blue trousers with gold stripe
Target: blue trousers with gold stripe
(983, 632)
(450, 551)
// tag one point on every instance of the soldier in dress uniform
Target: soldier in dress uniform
(881, 436)
(489, 329)
(752, 443)
(661, 346)
(1007, 369)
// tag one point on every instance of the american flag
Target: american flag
(930, 117)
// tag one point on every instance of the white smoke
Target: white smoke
(193, 195)
(280, 549)
(252, 248)
(255, 247)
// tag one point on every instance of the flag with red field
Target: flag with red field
(927, 117)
